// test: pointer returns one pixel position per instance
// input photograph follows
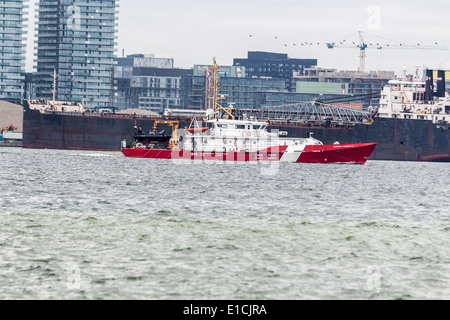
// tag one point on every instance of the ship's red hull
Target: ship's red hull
(340, 153)
(355, 153)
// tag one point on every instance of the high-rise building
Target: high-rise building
(76, 42)
(274, 65)
(12, 49)
(153, 89)
(364, 85)
(147, 82)
(237, 91)
(125, 65)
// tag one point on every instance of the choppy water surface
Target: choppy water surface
(96, 225)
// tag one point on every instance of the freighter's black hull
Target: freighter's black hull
(403, 140)
(78, 132)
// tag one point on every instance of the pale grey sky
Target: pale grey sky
(195, 31)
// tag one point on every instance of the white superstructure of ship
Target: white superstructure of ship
(410, 98)
(44, 105)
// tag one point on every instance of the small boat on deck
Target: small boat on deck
(196, 130)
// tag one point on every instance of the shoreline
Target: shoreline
(10, 144)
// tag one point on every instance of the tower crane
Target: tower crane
(363, 46)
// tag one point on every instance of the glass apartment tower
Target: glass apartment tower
(12, 49)
(76, 50)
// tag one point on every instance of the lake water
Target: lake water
(97, 225)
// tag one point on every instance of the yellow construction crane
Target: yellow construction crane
(363, 46)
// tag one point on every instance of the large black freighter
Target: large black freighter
(68, 126)
(411, 124)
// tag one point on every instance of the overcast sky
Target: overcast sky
(195, 31)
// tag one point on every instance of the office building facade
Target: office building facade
(367, 86)
(125, 65)
(77, 41)
(12, 49)
(152, 89)
(239, 92)
(274, 65)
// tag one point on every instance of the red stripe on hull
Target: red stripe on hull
(228, 156)
(436, 158)
(341, 153)
(271, 154)
(148, 153)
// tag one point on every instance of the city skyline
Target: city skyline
(195, 32)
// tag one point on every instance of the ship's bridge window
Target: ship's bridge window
(223, 126)
(240, 126)
(256, 127)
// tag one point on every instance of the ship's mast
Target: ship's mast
(209, 101)
(112, 92)
(54, 86)
(217, 107)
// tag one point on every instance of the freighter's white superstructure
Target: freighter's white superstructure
(44, 105)
(403, 99)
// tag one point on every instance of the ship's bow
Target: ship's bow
(338, 153)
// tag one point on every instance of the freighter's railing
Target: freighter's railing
(309, 113)
(102, 115)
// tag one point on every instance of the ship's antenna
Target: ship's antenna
(209, 101)
(405, 73)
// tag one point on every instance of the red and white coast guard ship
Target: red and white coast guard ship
(238, 140)
(241, 140)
